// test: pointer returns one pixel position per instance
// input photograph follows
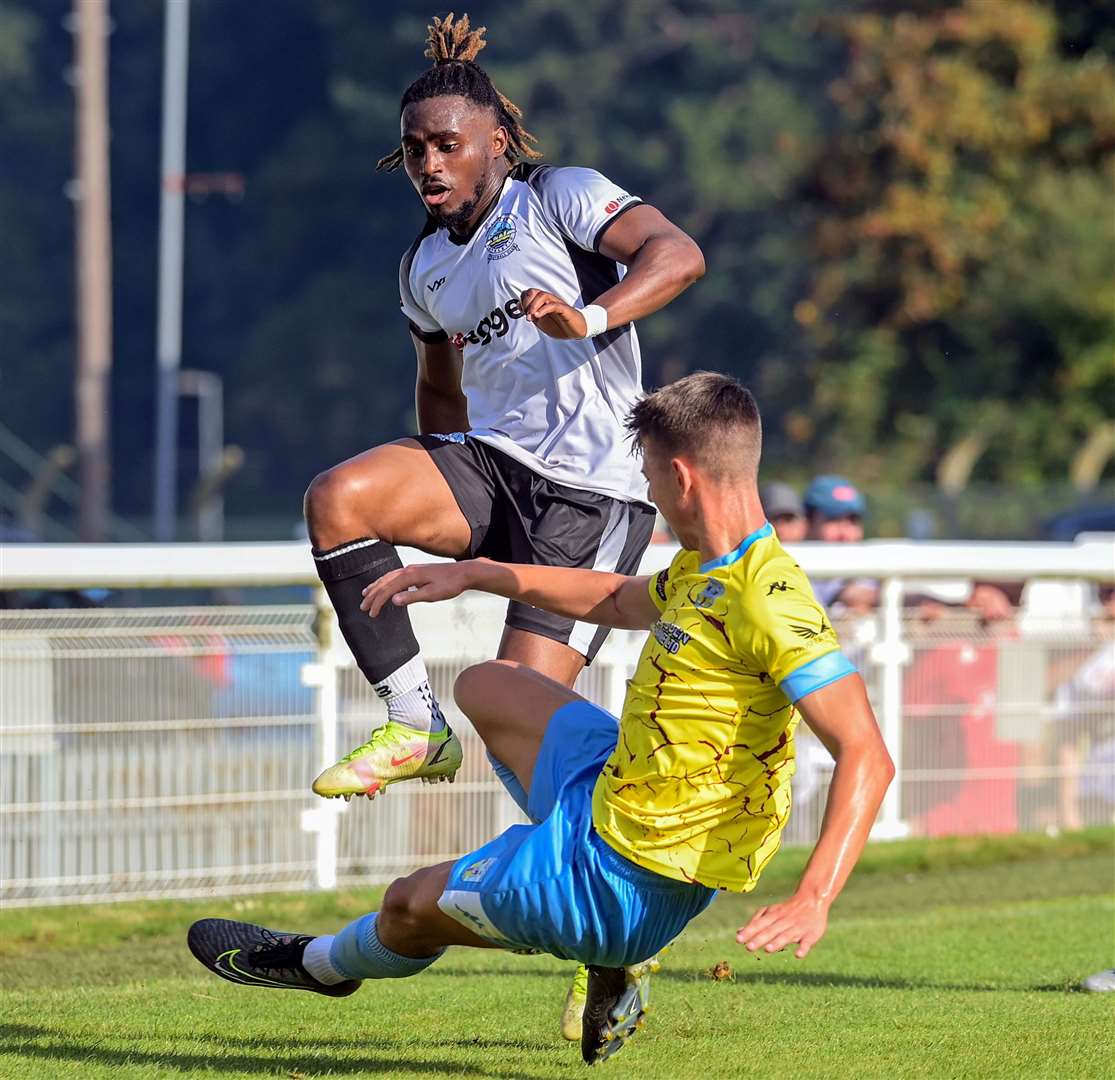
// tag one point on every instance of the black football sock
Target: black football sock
(385, 647)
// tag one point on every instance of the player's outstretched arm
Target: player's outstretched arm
(661, 260)
(841, 716)
(588, 595)
(439, 402)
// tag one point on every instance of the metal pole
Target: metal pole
(94, 268)
(171, 207)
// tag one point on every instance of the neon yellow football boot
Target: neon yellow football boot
(394, 752)
(574, 1010)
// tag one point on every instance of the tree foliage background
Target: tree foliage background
(906, 209)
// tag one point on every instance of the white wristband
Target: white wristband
(596, 319)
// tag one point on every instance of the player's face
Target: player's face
(666, 493)
(453, 154)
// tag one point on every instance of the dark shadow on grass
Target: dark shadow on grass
(295, 1055)
(777, 978)
(823, 979)
(311, 1045)
(760, 977)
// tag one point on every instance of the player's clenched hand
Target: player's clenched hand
(414, 585)
(553, 316)
(801, 919)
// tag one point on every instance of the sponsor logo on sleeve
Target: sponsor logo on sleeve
(660, 584)
(616, 203)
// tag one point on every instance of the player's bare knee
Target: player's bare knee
(402, 905)
(474, 690)
(323, 497)
(468, 688)
(338, 506)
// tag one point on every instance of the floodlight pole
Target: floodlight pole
(171, 213)
(90, 24)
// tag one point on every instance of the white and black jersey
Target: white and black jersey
(555, 406)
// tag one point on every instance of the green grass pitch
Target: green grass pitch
(951, 959)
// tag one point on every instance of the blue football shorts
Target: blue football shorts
(556, 886)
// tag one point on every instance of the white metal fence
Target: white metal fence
(150, 751)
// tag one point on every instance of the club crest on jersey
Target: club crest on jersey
(708, 596)
(499, 238)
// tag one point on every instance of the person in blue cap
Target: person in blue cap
(835, 509)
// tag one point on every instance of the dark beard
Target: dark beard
(457, 221)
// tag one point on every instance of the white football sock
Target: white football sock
(409, 698)
(315, 959)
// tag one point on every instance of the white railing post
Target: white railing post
(323, 818)
(892, 653)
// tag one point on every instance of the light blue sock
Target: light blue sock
(358, 953)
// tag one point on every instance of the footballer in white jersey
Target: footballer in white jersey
(521, 290)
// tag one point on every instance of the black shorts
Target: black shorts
(518, 516)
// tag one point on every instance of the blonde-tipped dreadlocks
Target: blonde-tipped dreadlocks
(453, 47)
(448, 40)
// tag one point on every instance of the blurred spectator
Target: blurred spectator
(993, 605)
(833, 513)
(1084, 726)
(990, 603)
(960, 769)
(834, 509)
(785, 511)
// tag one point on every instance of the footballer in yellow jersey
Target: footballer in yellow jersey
(636, 823)
(698, 786)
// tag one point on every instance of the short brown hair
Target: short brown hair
(706, 416)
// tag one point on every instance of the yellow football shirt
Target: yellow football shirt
(698, 787)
